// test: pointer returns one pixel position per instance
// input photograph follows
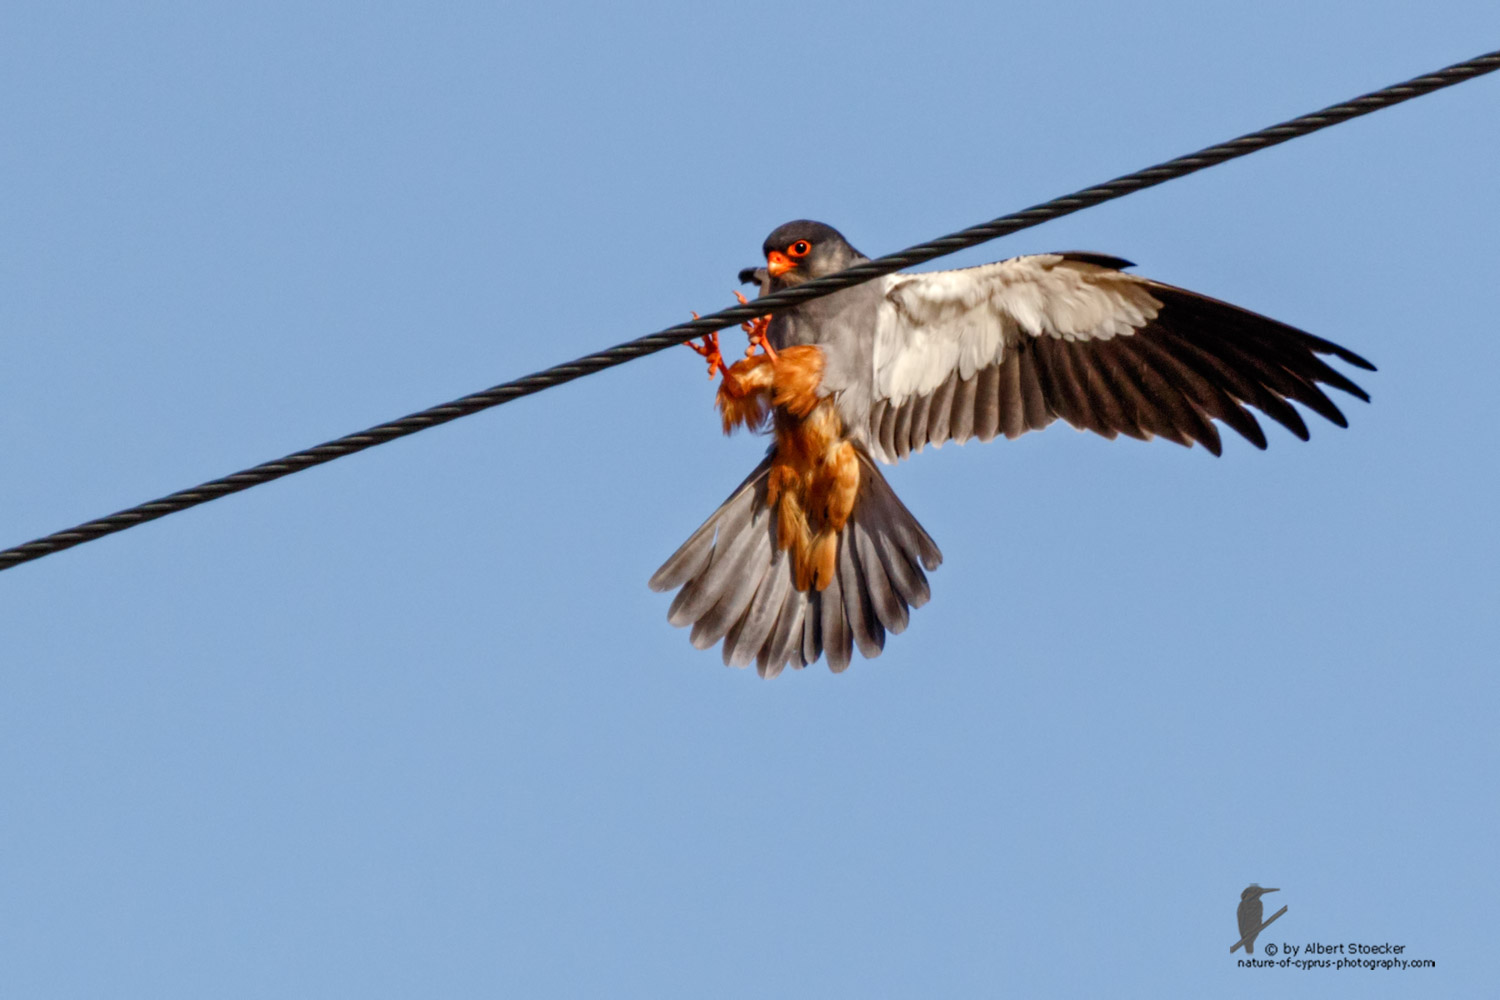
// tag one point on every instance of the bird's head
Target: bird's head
(800, 251)
(1255, 892)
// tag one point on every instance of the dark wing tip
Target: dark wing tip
(1097, 259)
(1343, 354)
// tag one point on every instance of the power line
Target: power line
(778, 302)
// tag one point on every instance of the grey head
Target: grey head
(1253, 891)
(800, 251)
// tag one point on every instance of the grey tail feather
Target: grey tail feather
(736, 585)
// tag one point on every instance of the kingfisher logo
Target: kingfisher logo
(1249, 914)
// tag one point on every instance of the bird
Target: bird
(1249, 915)
(813, 554)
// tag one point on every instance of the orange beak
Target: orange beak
(778, 263)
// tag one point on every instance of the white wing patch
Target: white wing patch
(929, 325)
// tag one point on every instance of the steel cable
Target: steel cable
(778, 302)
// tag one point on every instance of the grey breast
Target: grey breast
(843, 325)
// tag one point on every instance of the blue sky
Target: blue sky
(412, 724)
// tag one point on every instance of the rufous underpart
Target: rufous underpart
(814, 479)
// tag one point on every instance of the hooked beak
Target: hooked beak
(778, 263)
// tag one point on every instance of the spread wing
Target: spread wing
(1009, 347)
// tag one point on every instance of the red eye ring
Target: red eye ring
(799, 249)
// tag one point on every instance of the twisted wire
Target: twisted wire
(778, 302)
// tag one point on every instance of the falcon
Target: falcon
(813, 554)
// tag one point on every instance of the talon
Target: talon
(710, 352)
(755, 329)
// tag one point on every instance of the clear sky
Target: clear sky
(411, 724)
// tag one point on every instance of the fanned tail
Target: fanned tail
(739, 587)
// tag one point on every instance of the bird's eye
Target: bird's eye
(799, 249)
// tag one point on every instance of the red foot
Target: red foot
(710, 352)
(755, 329)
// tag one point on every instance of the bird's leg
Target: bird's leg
(744, 396)
(755, 329)
(710, 352)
